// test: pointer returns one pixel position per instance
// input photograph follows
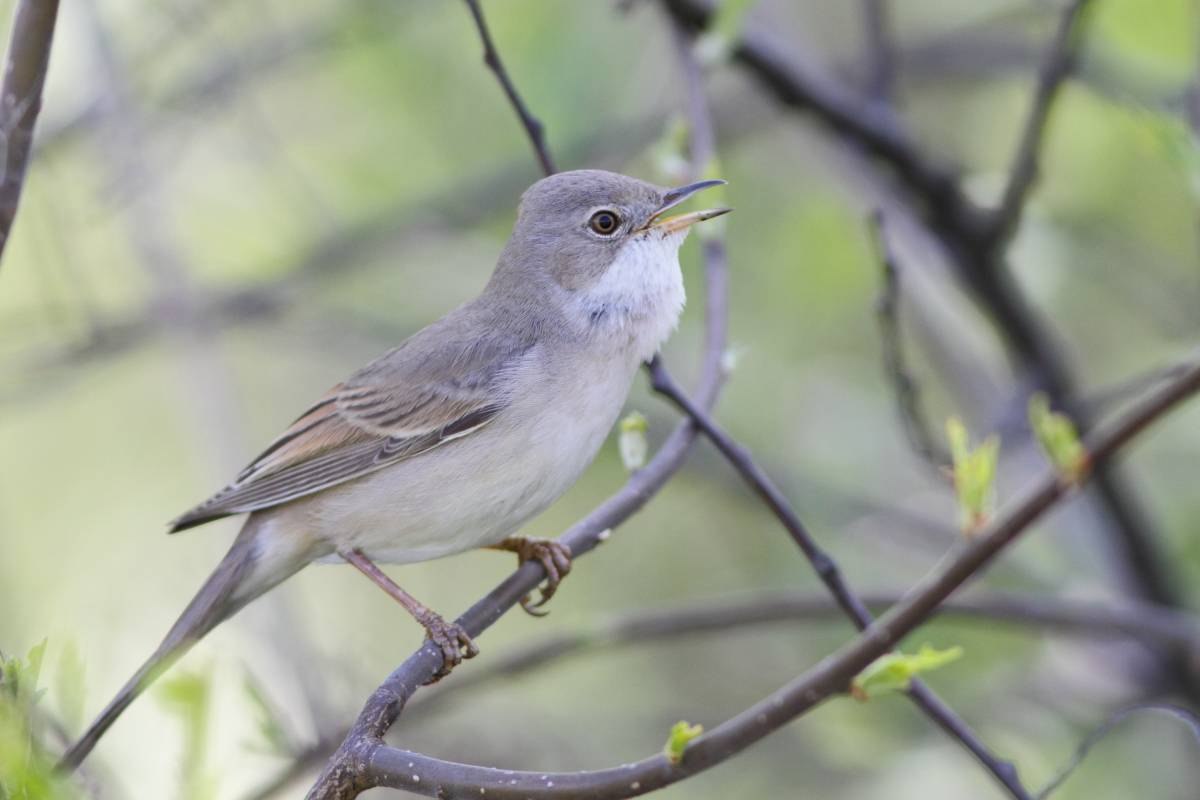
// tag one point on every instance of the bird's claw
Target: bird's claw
(555, 558)
(452, 640)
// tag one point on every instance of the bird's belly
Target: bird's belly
(477, 490)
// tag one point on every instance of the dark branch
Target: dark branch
(803, 86)
(21, 100)
(414, 772)
(963, 231)
(830, 575)
(1057, 66)
(1133, 621)
(533, 127)
(346, 773)
(1190, 720)
(879, 50)
(905, 388)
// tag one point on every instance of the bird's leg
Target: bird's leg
(555, 558)
(454, 642)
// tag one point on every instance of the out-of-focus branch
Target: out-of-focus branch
(1057, 65)
(388, 766)
(879, 50)
(963, 230)
(824, 565)
(533, 127)
(905, 388)
(1187, 718)
(21, 99)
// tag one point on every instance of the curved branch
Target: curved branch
(533, 126)
(963, 231)
(421, 774)
(830, 574)
(345, 774)
(1150, 624)
(21, 100)
(1057, 65)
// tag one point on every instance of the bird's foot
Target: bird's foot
(555, 558)
(451, 639)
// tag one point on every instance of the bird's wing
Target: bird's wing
(410, 401)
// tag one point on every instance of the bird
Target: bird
(465, 431)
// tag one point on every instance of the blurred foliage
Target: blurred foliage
(26, 768)
(329, 177)
(187, 696)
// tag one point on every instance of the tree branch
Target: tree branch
(905, 389)
(1133, 621)
(880, 52)
(345, 774)
(388, 766)
(21, 100)
(533, 127)
(962, 229)
(830, 574)
(1057, 65)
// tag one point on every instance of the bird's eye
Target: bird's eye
(604, 223)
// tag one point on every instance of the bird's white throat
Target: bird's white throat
(637, 302)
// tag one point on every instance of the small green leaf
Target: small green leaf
(1058, 439)
(974, 475)
(894, 672)
(681, 734)
(631, 441)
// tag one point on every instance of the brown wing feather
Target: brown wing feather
(393, 409)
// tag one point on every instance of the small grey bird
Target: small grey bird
(472, 426)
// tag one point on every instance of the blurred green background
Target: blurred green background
(234, 205)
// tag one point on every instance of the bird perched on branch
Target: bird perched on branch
(472, 426)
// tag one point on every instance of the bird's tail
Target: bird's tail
(234, 583)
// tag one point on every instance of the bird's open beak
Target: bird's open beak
(679, 222)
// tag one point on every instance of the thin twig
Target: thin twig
(533, 126)
(21, 99)
(421, 774)
(905, 389)
(654, 626)
(1189, 720)
(825, 566)
(830, 574)
(962, 230)
(1056, 67)
(344, 775)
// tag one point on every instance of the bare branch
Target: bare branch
(829, 573)
(1056, 67)
(345, 775)
(803, 86)
(962, 229)
(533, 127)
(421, 774)
(1134, 621)
(21, 100)
(880, 52)
(905, 388)
(1190, 720)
